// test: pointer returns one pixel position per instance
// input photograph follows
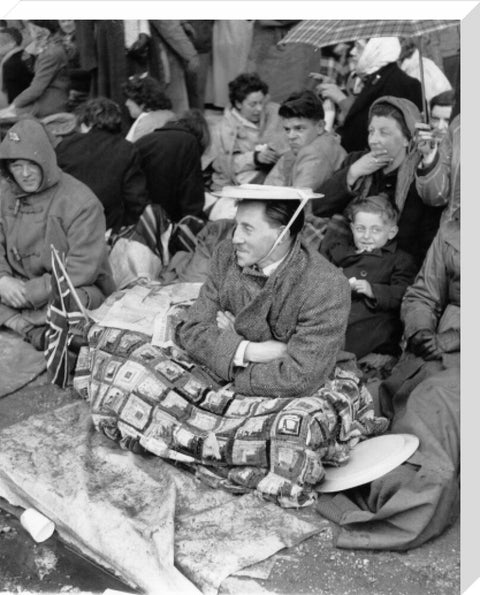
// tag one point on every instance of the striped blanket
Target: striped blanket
(157, 400)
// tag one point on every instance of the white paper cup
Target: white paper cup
(38, 525)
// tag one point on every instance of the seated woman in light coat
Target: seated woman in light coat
(249, 138)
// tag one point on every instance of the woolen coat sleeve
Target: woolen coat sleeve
(84, 233)
(311, 350)
(388, 296)
(49, 63)
(433, 182)
(200, 335)
(426, 299)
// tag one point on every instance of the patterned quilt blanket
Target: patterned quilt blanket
(156, 399)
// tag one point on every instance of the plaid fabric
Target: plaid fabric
(149, 229)
(159, 400)
(322, 33)
(337, 73)
(64, 322)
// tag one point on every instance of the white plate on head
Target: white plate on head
(369, 460)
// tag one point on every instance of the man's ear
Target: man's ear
(280, 231)
(393, 232)
(320, 126)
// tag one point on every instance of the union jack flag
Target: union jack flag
(66, 318)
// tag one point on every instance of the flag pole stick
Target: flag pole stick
(69, 283)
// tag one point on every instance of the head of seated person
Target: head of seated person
(100, 114)
(302, 118)
(391, 128)
(373, 221)
(41, 32)
(10, 38)
(258, 227)
(441, 108)
(144, 94)
(28, 159)
(248, 96)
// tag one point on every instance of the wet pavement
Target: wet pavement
(313, 566)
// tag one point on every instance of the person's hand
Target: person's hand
(330, 91)
(426, 143)
(321, 78)
(361, 286)
(267, 156)
(264, 352)
(8, 112)
(424, 344)
(12, 292)
(139, 44)
(225, 321)
(367, 164)
(193, 64)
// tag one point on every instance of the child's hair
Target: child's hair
(373, 204)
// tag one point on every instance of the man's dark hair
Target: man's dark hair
(279, 212)
(146, 91)
(13, 33)
(389, 111)
(101, 113)
(302, 104)
(52, 26)
(243, 85)
(445, 99)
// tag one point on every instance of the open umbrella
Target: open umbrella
(323, 33)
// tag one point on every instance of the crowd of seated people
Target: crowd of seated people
(388, 202)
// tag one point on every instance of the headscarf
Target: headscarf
(378, 52)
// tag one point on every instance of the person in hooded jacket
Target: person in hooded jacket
(43, 206)
(389, 166)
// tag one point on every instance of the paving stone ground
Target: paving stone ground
(312, 567)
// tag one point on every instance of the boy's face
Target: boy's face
(301, 132)
(440, 117)
(371, 231)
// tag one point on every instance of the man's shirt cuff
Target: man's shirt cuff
(239, 357)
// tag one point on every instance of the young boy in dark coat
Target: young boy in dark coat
(378, 273)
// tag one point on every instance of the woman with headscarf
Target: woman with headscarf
(378, 74)
(390, 166)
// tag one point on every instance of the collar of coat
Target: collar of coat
(344, 250)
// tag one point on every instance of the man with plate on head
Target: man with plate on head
(272, 315)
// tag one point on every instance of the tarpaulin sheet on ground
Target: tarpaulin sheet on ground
(156, 526)
(20, 363)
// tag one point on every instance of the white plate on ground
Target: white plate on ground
(369, 460)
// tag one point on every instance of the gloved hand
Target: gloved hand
(423, 344)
